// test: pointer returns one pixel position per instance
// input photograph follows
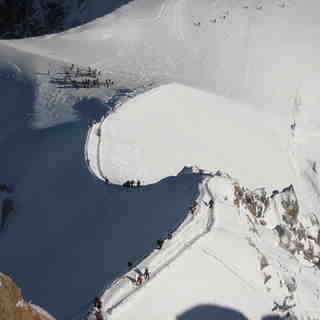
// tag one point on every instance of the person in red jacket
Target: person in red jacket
(139, 279)
(98, 315)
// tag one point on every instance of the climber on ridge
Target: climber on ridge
(146, 274)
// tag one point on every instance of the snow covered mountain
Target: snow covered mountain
(277, 231)
(219, 122)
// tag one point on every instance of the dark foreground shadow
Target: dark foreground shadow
(213, 312)
(71, 232)
(206, 312)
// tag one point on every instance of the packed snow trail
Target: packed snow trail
(195, 226)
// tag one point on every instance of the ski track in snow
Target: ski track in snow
(235, 273)
(177, 24)
(172, 249)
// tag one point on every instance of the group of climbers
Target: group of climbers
(81, 78)
(142, 277)
(132, 183)
(127, 184)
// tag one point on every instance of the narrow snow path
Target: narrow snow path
(94, 148)
(194, 227)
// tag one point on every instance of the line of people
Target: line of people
(84, 83)
(71, 75)
(127, 184)
(138, 280)
(132, 184)
(78, 72)
(145, 276)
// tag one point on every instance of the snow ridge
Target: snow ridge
(199, 221)
(257, 213)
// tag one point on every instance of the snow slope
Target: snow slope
(220, 261)
(74, 235)
(195, 43)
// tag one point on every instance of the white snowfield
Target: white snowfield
(257, 51)
(235, 90)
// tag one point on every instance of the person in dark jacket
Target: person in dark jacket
(146, 274)
(139, 280)
(160, 244)
(97, 303)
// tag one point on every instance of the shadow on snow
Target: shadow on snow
(208, 312)
(72, 234)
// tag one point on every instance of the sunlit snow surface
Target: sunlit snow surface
(72, 235)
(258, 51)
(156, 134)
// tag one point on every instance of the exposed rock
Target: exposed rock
(296, 235)
(13, 306)
(255, 201)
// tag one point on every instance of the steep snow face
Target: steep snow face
(156, 134)
(195, 42)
